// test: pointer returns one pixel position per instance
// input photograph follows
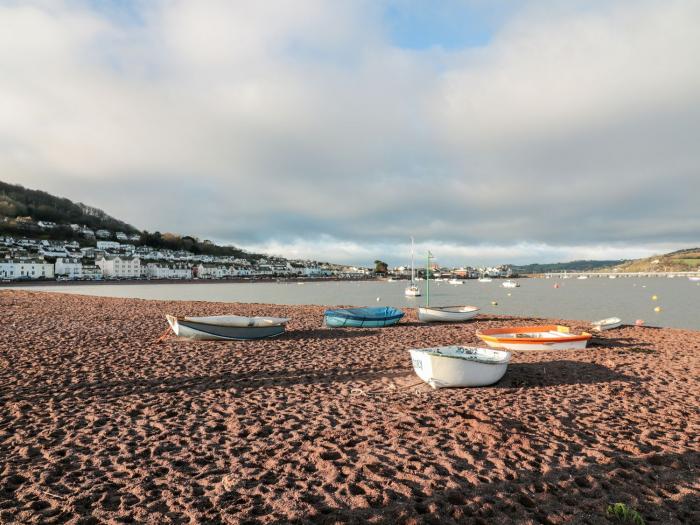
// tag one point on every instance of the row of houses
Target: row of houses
(129, 267)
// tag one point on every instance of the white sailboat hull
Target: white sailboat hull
(456, 366)
(607, 324)
(446, 314)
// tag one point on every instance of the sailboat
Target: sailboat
(412, 290)
(431, 314)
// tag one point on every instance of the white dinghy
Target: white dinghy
(459, 366)
(606, 324)
(226, 327)
(510, 284)
(446, 314)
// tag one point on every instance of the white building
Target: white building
(121, 236)
(168, 271)
(25, 269)
(103, 234)
(92, 272)
(66, 267)
(119, 266)
(212, 271)
(108, 245)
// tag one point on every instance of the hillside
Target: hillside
(573, 266)
(23, 210)
(18, 203)
(678, 261)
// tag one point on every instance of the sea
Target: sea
(658, 301)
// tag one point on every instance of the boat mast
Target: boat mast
(427, 279)
(413, 272)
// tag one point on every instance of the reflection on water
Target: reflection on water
(591, 299)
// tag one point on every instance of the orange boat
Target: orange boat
(543, 337)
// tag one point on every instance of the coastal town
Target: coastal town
(107, 255)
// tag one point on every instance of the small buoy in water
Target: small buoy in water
(639, 322)
(379, 299)
(556, 285)
(508, 294)
(644, 286)
(494, 303)
(654, 298)
(657, 309)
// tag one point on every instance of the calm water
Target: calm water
(591, 299)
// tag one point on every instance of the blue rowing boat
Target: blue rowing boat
(369, 317)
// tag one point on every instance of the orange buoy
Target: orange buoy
(639, 322)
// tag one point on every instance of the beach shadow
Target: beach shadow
(562, 372)
(619, 342)
(328, 333)
(105, 390)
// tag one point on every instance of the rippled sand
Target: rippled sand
(100, 424)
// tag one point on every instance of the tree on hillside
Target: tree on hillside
(381, 267)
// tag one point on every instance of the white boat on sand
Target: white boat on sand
(226, 327)
(542, 337)
(606, 324)
(449, 314)
(459, 366)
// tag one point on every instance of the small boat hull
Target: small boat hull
(209, 329)
(510, 284)
(457, 366)
(607, 324)
(412, 291)
(446, 314)
(534, 338)
(363, 317)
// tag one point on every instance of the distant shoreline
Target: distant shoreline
(103, 282)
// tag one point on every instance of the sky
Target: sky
(491, 131)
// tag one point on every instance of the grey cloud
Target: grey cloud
(306, 129)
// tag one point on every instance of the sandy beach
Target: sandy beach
(101, 424)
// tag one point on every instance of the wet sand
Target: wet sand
(100, 424)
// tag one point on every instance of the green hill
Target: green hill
(18, 204)
(678, 261)
(573, 266)
(21, 209)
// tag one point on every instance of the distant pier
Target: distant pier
(620, 274)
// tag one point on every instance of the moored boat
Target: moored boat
(694, 279)
(450, 314)
(510, 284)
(459, 366)
(606, 324)
(543, 337)
(412, 290)
(455, 281)
(485, 280)
(368, 317)
(226, 327)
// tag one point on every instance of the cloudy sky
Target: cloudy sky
(492, 131)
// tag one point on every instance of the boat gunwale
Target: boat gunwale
(186, 319)
(434, 352)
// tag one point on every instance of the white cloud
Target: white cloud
(573, 130)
